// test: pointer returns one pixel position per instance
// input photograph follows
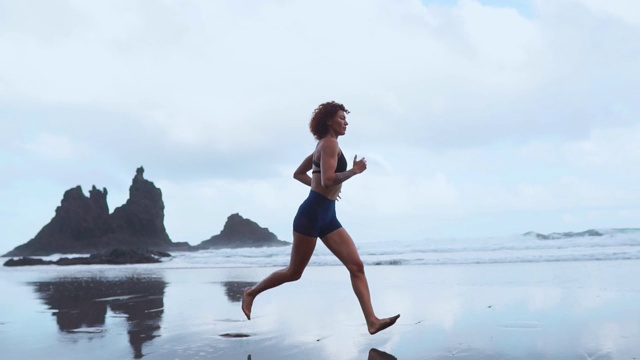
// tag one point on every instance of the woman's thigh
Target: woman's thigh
(340, 243)
(301, 250)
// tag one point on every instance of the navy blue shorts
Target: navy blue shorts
(316, 216)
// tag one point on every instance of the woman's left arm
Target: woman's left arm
(301, 173)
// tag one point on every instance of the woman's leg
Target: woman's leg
(342, 246)
(301, 252)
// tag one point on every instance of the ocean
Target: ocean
(525, 297)
(613, 244)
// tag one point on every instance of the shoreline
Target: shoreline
(491, 311)
(167, 265)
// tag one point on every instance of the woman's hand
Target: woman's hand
(359, 165)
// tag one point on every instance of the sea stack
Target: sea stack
(239, 232)
(83, 224)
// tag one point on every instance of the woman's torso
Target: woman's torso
(331, 192)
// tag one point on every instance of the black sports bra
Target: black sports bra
(341, 165)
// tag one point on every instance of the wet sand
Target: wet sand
(573, 310)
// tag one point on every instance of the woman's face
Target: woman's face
(338, 125)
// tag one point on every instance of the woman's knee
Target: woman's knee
(294, 274)
(356, 267)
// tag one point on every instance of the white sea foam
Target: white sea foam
(613, 245)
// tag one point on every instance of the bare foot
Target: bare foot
(247, 303)
(382, 324)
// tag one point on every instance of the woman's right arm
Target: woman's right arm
(301, 173)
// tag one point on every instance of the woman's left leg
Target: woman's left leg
(341, 245)
(301, 252)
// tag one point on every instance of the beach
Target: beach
(547, 310)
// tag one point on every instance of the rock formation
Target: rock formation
(83, 224)
(140, 221)
(240, 232)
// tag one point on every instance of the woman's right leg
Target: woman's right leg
(339, 242)
(301, 252)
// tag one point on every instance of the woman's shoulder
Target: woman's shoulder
(328, 142)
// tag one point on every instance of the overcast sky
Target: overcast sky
(477, 118)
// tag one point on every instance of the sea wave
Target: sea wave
(612, 244)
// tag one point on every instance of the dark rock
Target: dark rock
(140, 221)
(27, 261)
(114, 257)
(239, 232)
(83, 224)
(235, 336)
(78, 220)
(180, 246)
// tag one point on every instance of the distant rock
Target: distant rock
(114, 257)
(27, 261)
(139, 222)
(83, 224)
(239, 232)
(563, 235)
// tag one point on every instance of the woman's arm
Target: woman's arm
(329, 150)
(301, 172)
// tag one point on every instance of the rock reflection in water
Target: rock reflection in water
(81, 304)
(234, 289)
(375, 354)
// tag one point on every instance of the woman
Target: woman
(316, 217)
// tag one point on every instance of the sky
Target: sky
(477, 118)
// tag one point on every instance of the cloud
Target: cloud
(463, 110)
(626, 10)
(223, 77)
(51, 146)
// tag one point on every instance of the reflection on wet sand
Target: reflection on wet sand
(375, 354)
(234, 289)
(559, 310)
(81, 305)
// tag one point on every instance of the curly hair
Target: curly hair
(321, 116)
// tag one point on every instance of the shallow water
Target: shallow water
(561, 310)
